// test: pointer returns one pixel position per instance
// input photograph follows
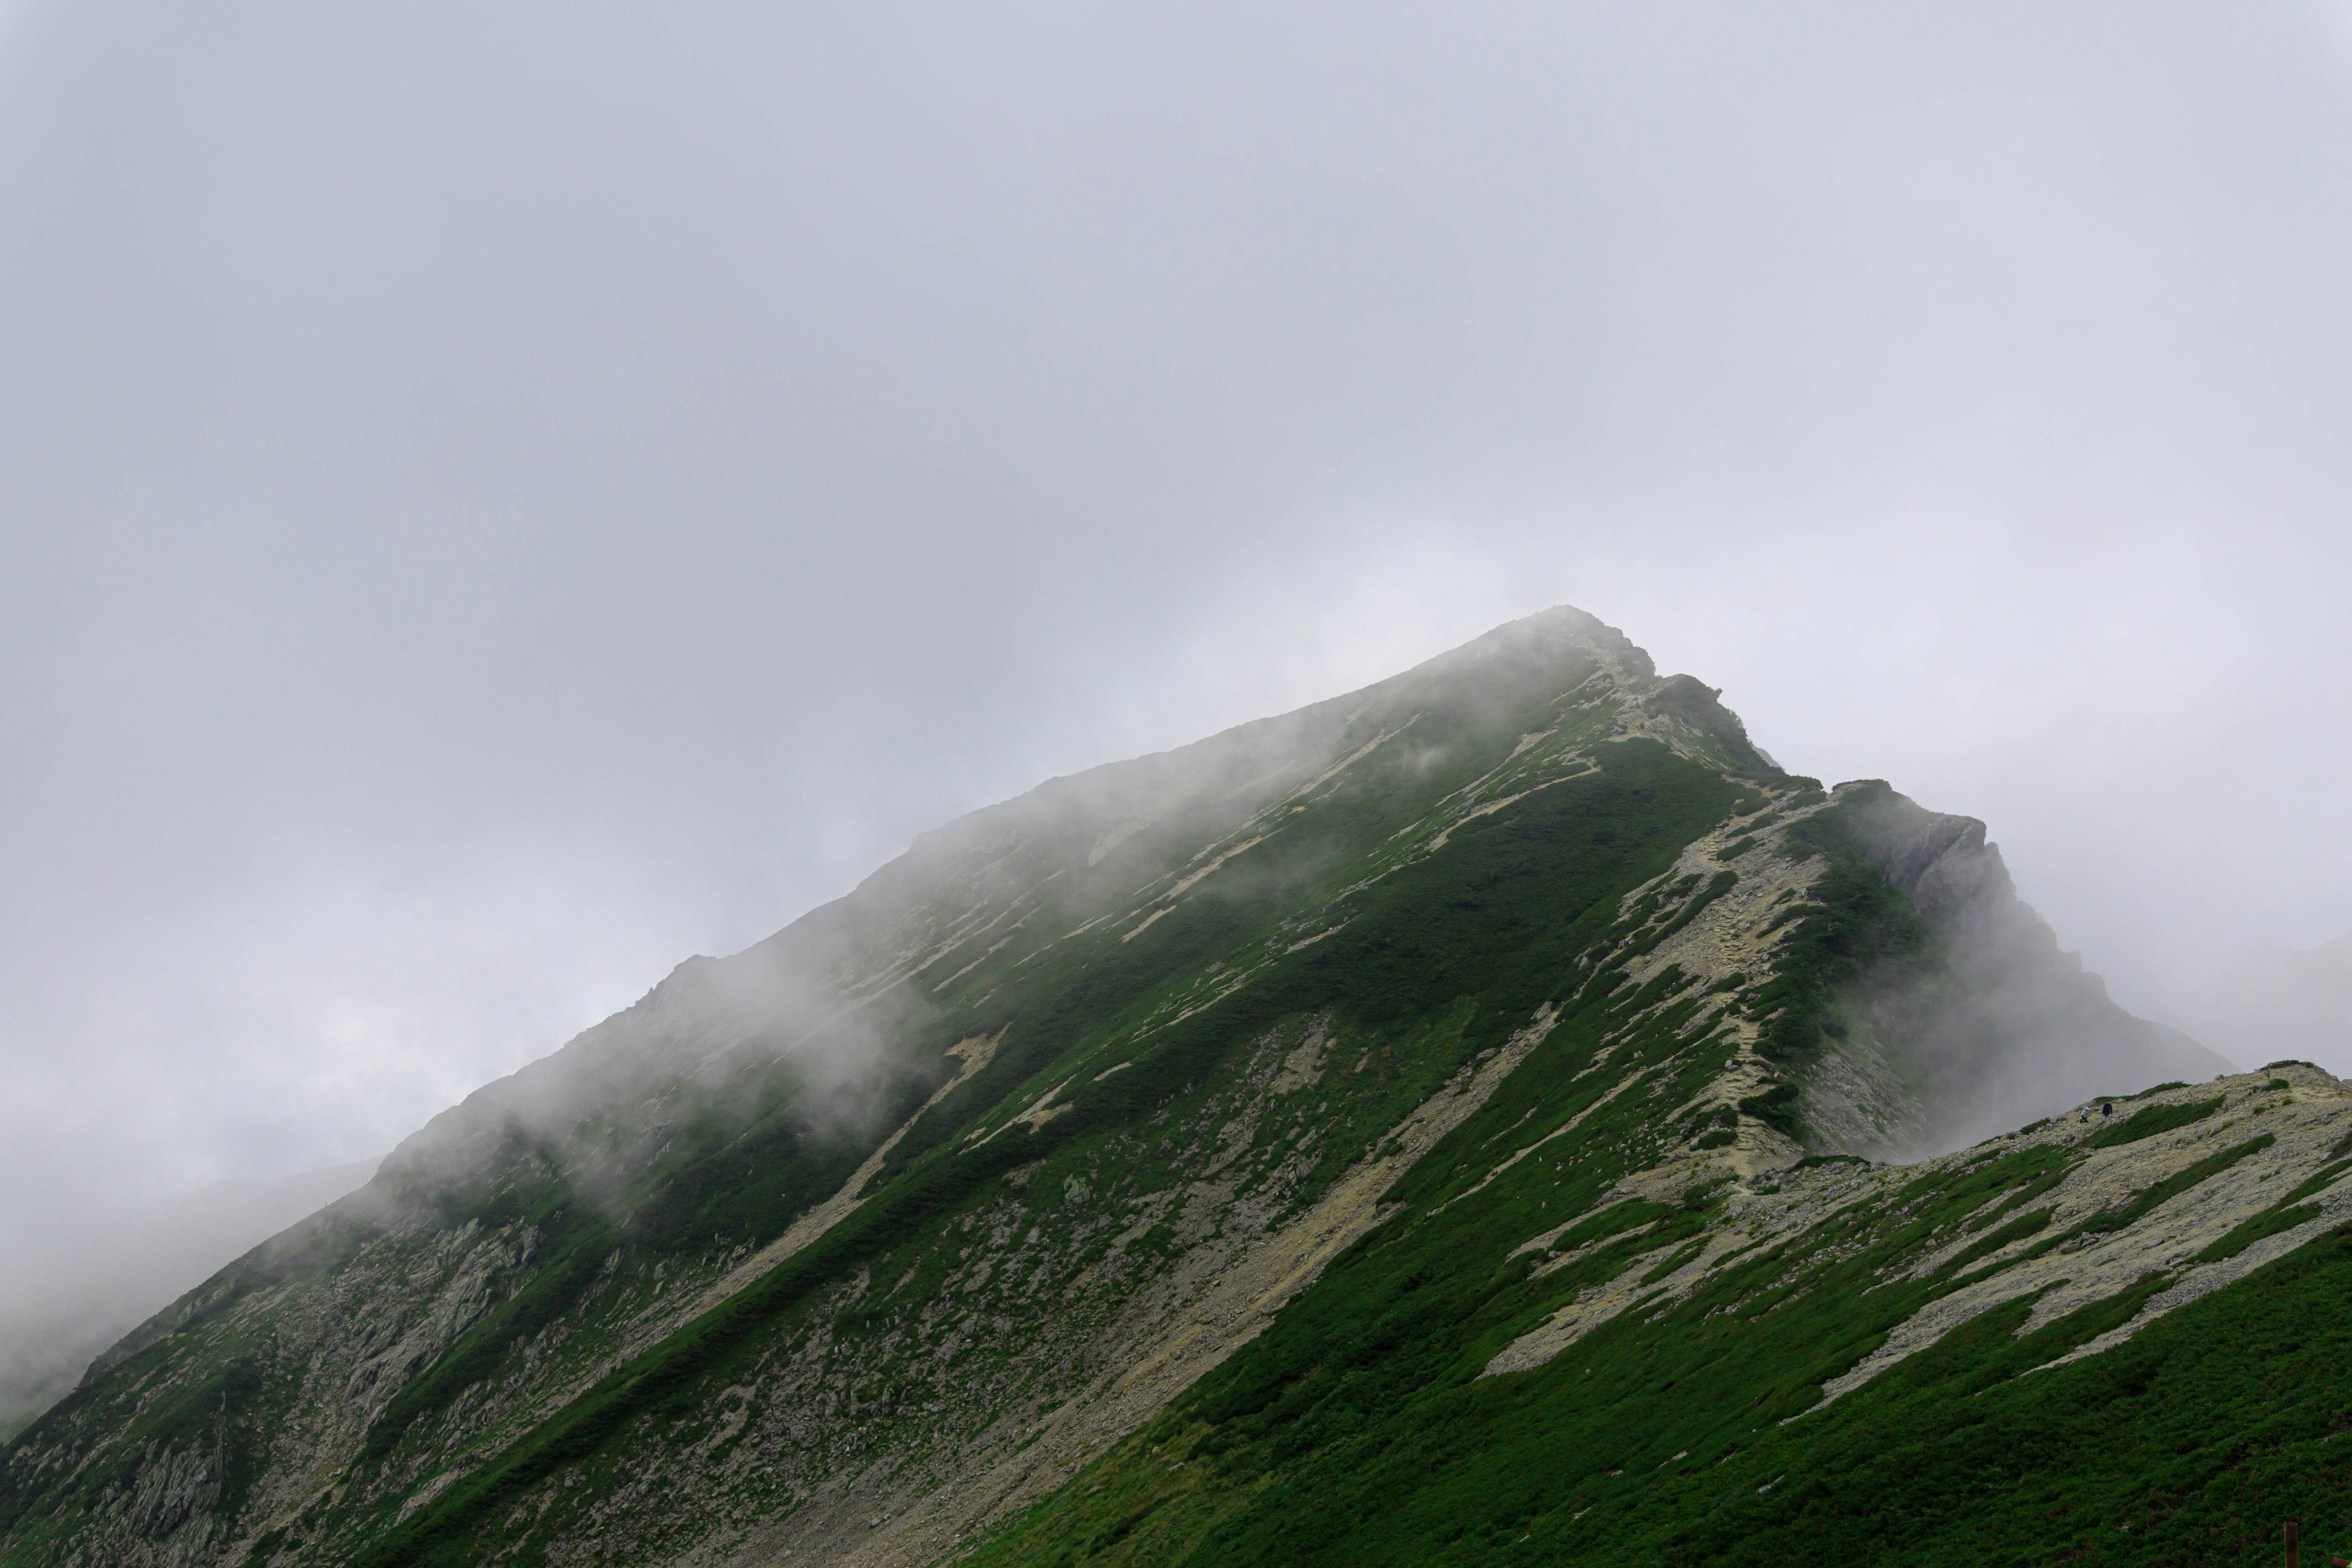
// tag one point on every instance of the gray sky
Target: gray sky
(497, 497)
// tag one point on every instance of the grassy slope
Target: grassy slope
(1357, 1431)
(1441, 960)
(1423, 967)
(225, 1378)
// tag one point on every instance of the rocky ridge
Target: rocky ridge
(1522, 983)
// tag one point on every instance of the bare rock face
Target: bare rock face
(1371, 1053)
(1942, 862)
(1992, 1022)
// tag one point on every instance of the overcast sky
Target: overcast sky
(497, 497)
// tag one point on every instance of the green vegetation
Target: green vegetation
(2156, 1119)
(1573, 1335)
(1856, 923)
(2198, 1434)
(1359, 1430)
(2018, 1229)
(1478, 936)
(2172, 1186)
(2270, 1222)
(1717, 885)
(1776, 1108)
(2284, 1215)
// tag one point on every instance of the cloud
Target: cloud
(499, 498)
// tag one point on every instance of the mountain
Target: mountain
(1496, 1116)
(77, 1292)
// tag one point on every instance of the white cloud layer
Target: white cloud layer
(495, 499)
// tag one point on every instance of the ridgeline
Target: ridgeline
(1497, 1116)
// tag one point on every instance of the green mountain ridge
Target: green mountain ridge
(127, 1259)
(1456, 1121)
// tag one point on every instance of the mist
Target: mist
(497, 499)
(2270, 1001)
(63, 1302)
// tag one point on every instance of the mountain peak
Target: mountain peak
(1187, 1126)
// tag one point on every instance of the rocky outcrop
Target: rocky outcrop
(1687, 698)
(2293, 1124)
(856, 1246)
(1992, 1024)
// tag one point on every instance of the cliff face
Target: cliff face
(1980, 1023)
(1173, 1133)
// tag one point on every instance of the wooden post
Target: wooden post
(2293, 1546)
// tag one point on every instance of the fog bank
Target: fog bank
(497, 499)
(64, 1299)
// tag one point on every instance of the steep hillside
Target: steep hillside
(1437, 1124)
(2118, 1340)
(79, 1292)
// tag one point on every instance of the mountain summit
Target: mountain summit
(1498, 1115)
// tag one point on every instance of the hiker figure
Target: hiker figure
(2086, 1115)
(2107, 1110)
